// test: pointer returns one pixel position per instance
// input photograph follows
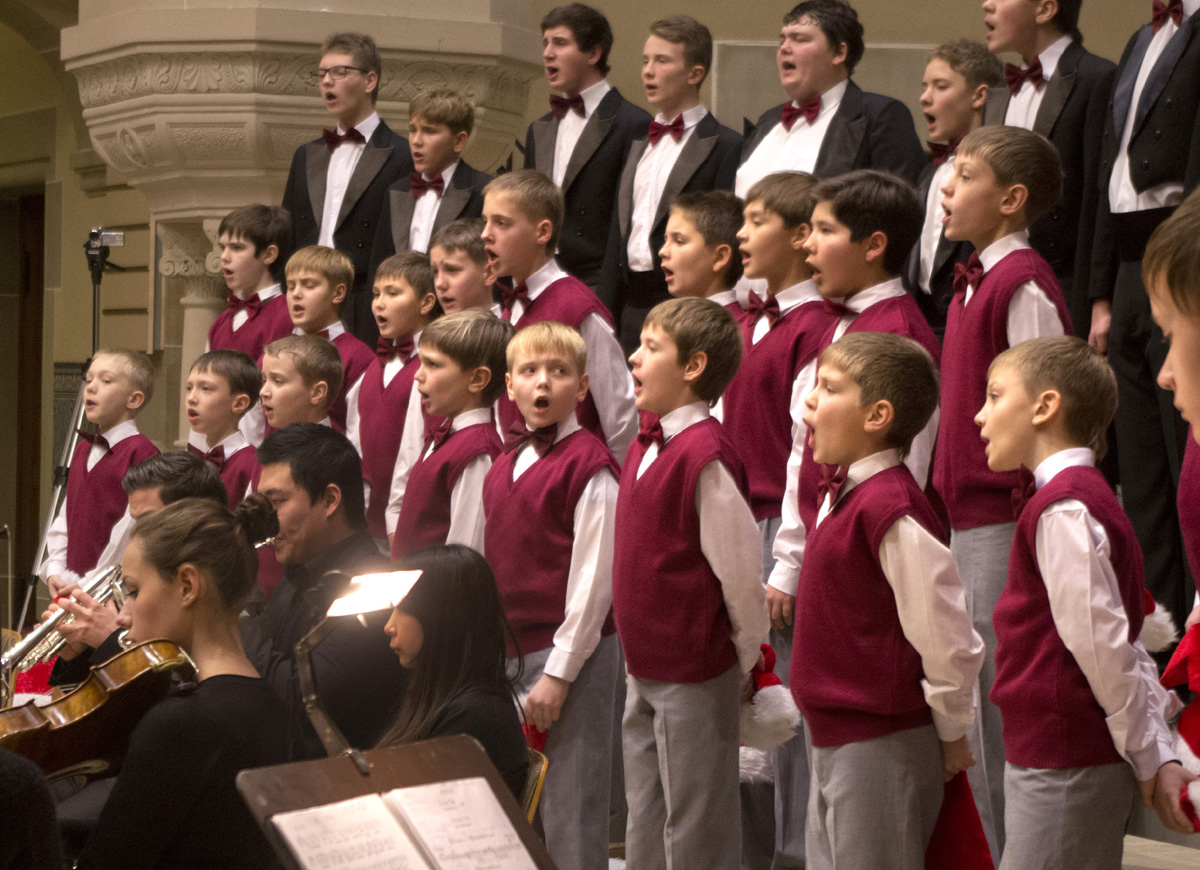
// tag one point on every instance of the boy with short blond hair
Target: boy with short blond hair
(687, 594)
(1004, 178)
(550, 502)
(1069, 617)
(699, 256)
(117, 386)
(888, 700)
(523, 211)
(460, 267)
(462, 356)
(221, 388)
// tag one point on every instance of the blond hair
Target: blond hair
(446, 106)
(548, 336)
(535, 196)
(138, 369)
(315, 359)
(334, 266)
(473, 338)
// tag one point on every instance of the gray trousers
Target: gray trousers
(574, 804)
(874, 803)
(1070, 819)
(981, 556)
(681, 774)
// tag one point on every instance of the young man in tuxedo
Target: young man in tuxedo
(582, 143)
(336, 186)
(830, 126)
(685, 150)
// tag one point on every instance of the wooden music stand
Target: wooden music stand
(304, 784)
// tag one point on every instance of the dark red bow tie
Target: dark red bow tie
(1024, 490)
(542, 438)
(942, 151)
(216, 456)
(969, 275)
(1015, 76)
(333, 138)
(386, 350)
(1172, 10)
(561, 105)
(420, 185)
(675, 128)
(791, 112)
(437, 434)
(757, 307)
(93, 438)
(833, 478)
(250, 306)
(650, 432)
(324, 333)
(836, 309)
(510, 296)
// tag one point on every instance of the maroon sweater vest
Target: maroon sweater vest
(975, 335)
(757, 403)
(237, 473)
(1187, 501)
(567, 300)
(381, 414)
(669, 607)
(270, 322)
(425, 514)
(529, 535)
(1051, 718)
(356, 356)
(898, 315)
(96, 500)
(854, 675)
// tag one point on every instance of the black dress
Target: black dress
(174, 803)
(493, 721)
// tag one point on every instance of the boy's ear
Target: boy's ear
(581, 393)
(481, 376)
(339, 293)
(241, 403)
(1046, 406)
(696, 75)
(460, 141)
(1014, 199)
(545, 229)
(724, 258)
(317, 393)
(269, 254)
(800, 234)
(136, 399)
(508, 387)
(876, 247)
(695, 366)
(840, 53)
(593, 56)
(427, 302)
(1046, 10)
(879, 417)
(979, 97)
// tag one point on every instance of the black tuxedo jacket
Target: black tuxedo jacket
(935, 303)
(868, 131)
(707, 161)
(384, 159)
(590, 183)
(462, 199)
(1165, 144)
(1071, 116)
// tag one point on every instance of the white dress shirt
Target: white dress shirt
(723, 297)
(390, 369)
(466, 499)
(1024, 104)
(1074, 557)
(1122, 195)
(342, 161)
(242, 315)
(1031, 314)
(349, 390)
(589, 578)
(231, 444)
(729, 539)
(935, 215)
(653, 169)
(425, 211)
(571, 126)
(931, 605)
(794, 150)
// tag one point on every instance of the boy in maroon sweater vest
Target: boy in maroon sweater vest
(462, 356)
(117, 386)
(460, 267)
(318, 279)
(221, 389)
(687, 594)
(1083, 710)
(404, 304)
(550, 501)
(1004, 177)
(885, 659)
(700, 256)
(523, 214)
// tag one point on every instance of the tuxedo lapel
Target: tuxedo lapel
(593, 134)
(695, 151)
(765, 124)
(400, 205)
(316, 165)
(625, 200)
(368, 166)
(1058, 89)
(451, 206)
(1123, 90)
(1163, 68)
(844, 136)
(996, 109)
(545, 132)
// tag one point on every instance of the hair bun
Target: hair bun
(256, 518)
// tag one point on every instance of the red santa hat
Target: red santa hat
(1184, 669)
(768, 720)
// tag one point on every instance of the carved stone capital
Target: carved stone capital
(186, 247)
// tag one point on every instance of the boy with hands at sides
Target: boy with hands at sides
(683, 492)
(94, 512)
(884, 660)
(550, 502)
(462, 356)
(699, 256)
(221, 388)
(1083, 710)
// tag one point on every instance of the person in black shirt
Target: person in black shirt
(30, 840)
(313, 477)
(188, 570)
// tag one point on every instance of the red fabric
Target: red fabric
(764, 673)
(36, 680)
(1189, 808)
(958, 842)
(535, 738)
(356, 358)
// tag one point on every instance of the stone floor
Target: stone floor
(1142, 854)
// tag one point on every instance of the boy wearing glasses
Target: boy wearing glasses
(352, 164)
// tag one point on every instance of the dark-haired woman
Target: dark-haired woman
(449, 632)
(189, 568)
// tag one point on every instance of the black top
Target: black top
(70, 672)
(492, 720)
(30, 838)
(174, 803)
(359, 679)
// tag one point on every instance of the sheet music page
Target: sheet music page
(356, 834)
(462, 825)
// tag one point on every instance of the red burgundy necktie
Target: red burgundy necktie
(385, 349)
(1024, 490)
(509, 298)
(1015, 76)
(969, 275)
(542, 438)
(561, 105)
(942, 151)
(833, 478)
(250, 306)
(420, 185)
(333, 139)
(791, 112)
(758, 307)
(216, 456)
(675, 128)
(650, 432)
(1163, 11)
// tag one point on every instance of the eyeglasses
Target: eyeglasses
(337, 73)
